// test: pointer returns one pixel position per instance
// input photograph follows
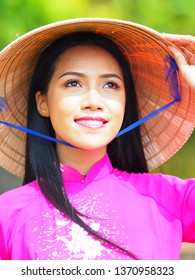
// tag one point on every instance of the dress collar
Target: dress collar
(99, 170)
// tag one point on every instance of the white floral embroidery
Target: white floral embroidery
(95, 226)
(91, 248)
(73, 246)
(77, 232)
(60, 238)
(61, 223)
(83, 244)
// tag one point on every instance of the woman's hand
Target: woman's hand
(185, 59)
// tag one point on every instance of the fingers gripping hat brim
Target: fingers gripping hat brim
(162, 136)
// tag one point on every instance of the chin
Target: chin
(90, 146)
(90, 143)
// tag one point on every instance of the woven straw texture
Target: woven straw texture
(163, 135)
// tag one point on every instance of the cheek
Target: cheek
(60, 117)
(119, 108)
(118, 111)
(120, 114)
(60, 107)
(123, 107)
(121, 117)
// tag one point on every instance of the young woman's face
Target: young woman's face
(85, 98)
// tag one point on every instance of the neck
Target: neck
(81, 160)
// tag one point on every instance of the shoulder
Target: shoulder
(18, 199)
(148, 182)
(22, 192)
(165, 189)
(17, 207)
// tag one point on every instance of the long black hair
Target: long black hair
(42, 164)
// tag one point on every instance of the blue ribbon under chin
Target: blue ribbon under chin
(171, 69)
(35, 133)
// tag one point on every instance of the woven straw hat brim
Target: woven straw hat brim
(146, 49)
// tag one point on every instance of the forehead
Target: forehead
(92, 56)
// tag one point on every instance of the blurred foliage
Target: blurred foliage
(20, 16)
(182, 164)
(171, 16)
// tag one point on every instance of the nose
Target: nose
(92, 100)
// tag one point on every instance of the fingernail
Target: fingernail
(174, 50)
(165, 34)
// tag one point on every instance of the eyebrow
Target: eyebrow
(106, 75)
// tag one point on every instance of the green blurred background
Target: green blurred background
(170, 16)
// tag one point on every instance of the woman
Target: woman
(87, 194)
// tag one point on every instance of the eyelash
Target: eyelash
(68, 84)
(114, 85)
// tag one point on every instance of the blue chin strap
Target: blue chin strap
(171, 78)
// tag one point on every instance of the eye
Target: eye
(73, 83)
(111, 85)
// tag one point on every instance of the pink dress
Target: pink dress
(147, 214)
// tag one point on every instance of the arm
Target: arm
(184, 55)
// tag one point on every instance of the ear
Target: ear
(42, 105)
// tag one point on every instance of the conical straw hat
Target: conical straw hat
(146, 49)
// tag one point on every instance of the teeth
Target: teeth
(93, 122)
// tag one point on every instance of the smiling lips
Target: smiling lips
(91, 122)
